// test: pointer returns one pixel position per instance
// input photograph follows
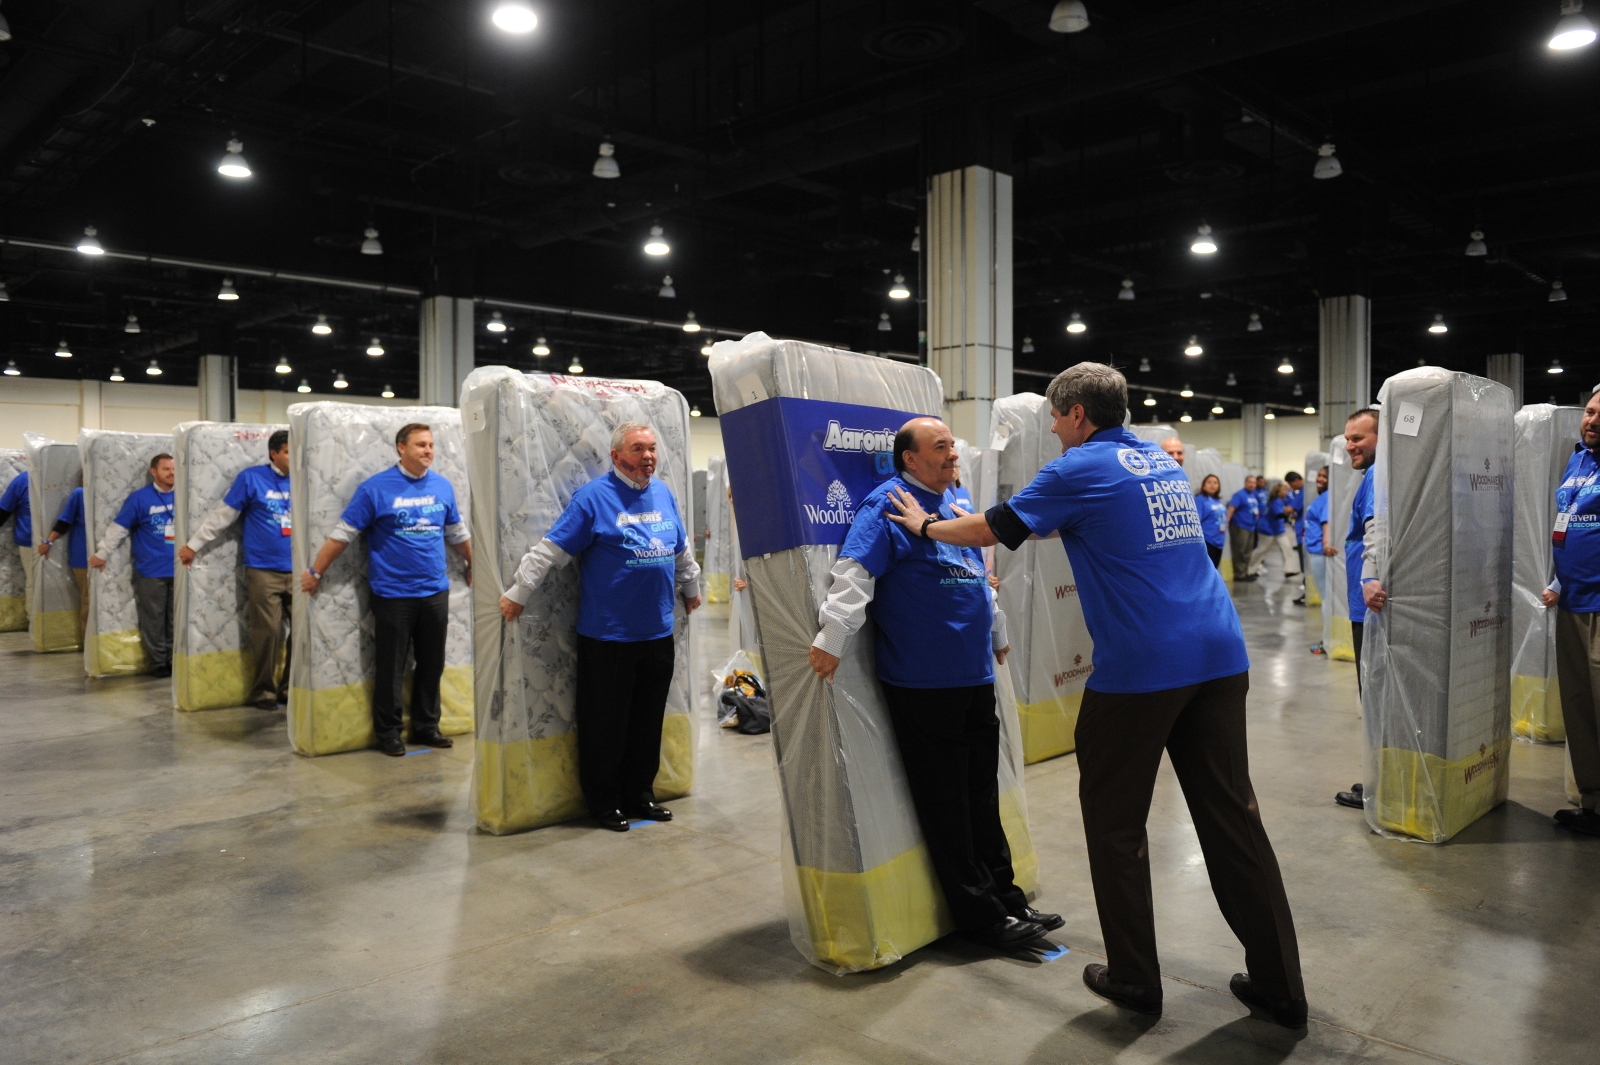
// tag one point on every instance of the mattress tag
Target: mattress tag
(750, 389)
(1409, 420)
(1339, 458)
(477, 420)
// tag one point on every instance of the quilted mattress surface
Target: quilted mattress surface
(13, 581)
(718, 564)
(532, 441)
(211, 664)
(115, 465)
(333, 447)
(858, 887)
(53, 618)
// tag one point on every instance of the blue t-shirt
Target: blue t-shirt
(1315, 515)
(1244, 509)
(1271, 523)
(1213, 519)
(961, 496)
(403, 518)
(931, 604)
(629, 539)
(77, 536)
(147, 515)
(1355, 543)
(1297, 501)
(1155, 606)
(261, 495)
(15, 500)
(1577, 555)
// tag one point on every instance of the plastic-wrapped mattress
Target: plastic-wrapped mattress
(1051, 652)
(1233, 475)
(53, 618)
(1437, 658)
(1315, 460)
(717, 566)
(333, 447)
(211, 664)
(115, 465)
(1343, 480)
(1545, 435)
(532, 441)
(809, 431)
(13, 580)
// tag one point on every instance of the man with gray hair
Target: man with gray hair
(636, 556)
(1170, 673)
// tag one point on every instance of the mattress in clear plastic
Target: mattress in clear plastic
(1343, 480)
(858, 887)
(54, 623)
(115, 465)
(333, 447)
(717, 567)
(1436, 659)
(13, 580)
(1545, 435)
(211, 665)
(532, 441)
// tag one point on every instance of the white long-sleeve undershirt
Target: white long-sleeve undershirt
(544, 556)
(220, 518)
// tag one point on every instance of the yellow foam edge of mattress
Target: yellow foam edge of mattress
(56, 630)
(1049, 727)
(115, 653)
(1341, 641)
(716, 586)
(1536, 709)
(334, 720)
(874, 918)
(213, 680)
(1431, 799)
(1313, 593)
(1024, 861)
(1227, 565)
(13, 613)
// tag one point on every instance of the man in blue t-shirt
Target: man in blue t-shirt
(1314, 543)
(408, 514)
(1243, 513)
(1170, 673)
(261, 495)
(636, 559)
(1575, 592)
(146, 520)
(939, 635)
(70, 524)
(14, 504)
(1362, 591)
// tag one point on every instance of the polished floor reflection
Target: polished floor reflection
(182, 888)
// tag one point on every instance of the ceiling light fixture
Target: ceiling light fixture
(667, 292)
(1149, 400)
(1203, 243)
(916, 240)
(694, 411)
(1255, 323)
(132, 324)
(705, 349)
(1126, 293)
(116, 374)
(884, 325)
(1077, 324)
(898, 290)
(495, 324)
(1186, 392)
(1438, 325)
(5, 297)
(233, 163)
(283, 366)
(1144, 365)
(375, 348)
(89, 243)
(657, 244)
(388, 392)
(1269, 416)
(1233, 382)
(1327, 164)
(540, 348)
(605, 165)
(153, 370)
(690, 325)
(513, 16)
(1193, 348)
(322, 328)
(1027, 345)
(62, 351)
(1298, 390)
(1558, 292)
(11, 367)
(339, 381)
(227, 291)
(1555, 367)
(1216, 408)
(1185, 418)
(1573, 29)
(1475, 245)
(370, 244)
(1286, 366)
(576, 366)
(1308, 409)
(303, 387)
(1069, 16)
(5, 35)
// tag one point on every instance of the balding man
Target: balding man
(635, 555)
(939, 635)
(1174, 449)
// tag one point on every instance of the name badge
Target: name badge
(167, 532)
(1558, 538)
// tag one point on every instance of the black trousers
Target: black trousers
(1355, 638)
(418, 625)
(1216, 555)
(622, 696)
(949, 740)
(1202, 728)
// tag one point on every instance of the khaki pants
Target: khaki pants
(82, 577)
(1239, 541)
(1578, 673)
(30, 562)
(267, 619)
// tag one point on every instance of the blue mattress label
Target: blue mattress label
(798, 467)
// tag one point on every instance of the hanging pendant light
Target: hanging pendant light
(5, 296)
(1216, 408)
(1298, 390)
(1233, 381)
(89, 243)
(116, 374)
(1255, 323)
(375, 348)
(1126, 293)
(514, 16)
(1069, 16)
(884, 325)
(1558, 292)
(1308, 409)
(605, 166)
(1185, 418)
(339, 381)
(575, 367)
(1076, 324)
(540, 348)
(283, 366)
(916, 240)
(1149, 400)
(694, 411)
(62, 351)
(1193, 348)
(388, 392)
(1203, 243)
(1438, 325)
(495, 324)
(705, 349)
(1327, 164)
(690, 325)
(898, 290)
(667, 292)
(322, 328)
(657, 243)
(1286, 367)
(1269, 416)
(153, 370)
(1573, 29)
(1144, 365)
(1027, 345)
(1555, 367)
(1186, 392)
(132, 324)
(370, 244)
(11, 368)
(1476, 248)
(304, 386)
(227, 292)
(233, 164)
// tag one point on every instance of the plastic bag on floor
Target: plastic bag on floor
(13, 579)
(55, 468)
(532, 441)
(115, 465)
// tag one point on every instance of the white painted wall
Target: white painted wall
(705, 440)
(1288, 439)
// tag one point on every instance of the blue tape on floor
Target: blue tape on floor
(1058, 952)
(642, 823)
(419, 750)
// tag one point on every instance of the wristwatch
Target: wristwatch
(929, 520)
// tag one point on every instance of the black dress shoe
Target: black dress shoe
(1009, 932)
(266, 702)
(432, 739)
(1135, 997)
(1289, 1012)
(392, 747)
(1351, 798)
(613, 820)
(649, 811)
(1300, 602)
(283, 697)
(161, 671)
(1047, 921)
(1584, 821)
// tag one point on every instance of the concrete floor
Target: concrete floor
(181, 888)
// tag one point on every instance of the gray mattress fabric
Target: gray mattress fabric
(53, 619)
(1052, 655)
(13, 580)
(717, 566)
(333, 447)
(1343, 480)
(858, 887)
(1436, 660)
(1545, 435)
(532, 441)
(115, 465)
(211, 665)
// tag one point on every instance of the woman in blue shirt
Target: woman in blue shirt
(1213, 517)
